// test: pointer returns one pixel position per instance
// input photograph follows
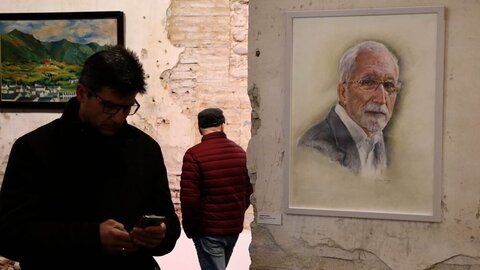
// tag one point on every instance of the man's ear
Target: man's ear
(81, 92)
(341, 92)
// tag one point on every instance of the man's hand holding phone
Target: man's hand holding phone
(149, 220)
(149, 231)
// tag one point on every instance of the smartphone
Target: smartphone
(150, 220)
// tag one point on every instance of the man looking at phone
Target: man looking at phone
(215, 191)
(74, 188)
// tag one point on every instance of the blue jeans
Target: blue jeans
(214, 252)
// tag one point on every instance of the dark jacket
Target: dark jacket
(332, 138)
(63, 179)
(215, 187)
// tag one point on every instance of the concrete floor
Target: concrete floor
(184, 256)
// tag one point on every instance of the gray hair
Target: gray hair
(348, 61)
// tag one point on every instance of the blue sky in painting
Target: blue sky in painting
(101, 31)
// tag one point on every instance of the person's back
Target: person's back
(221, 164)
(215, 191)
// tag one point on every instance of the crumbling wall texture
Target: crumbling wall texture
(212, 68)
(347, 243)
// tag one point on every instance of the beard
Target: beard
(374, 117)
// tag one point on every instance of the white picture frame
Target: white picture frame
(411, 189)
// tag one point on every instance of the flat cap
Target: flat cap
(211, 117)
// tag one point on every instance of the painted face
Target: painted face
(104, 111)
(369, 97)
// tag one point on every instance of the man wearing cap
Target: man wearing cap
(215, 191)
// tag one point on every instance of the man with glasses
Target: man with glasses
(74, 188)
(352, 133)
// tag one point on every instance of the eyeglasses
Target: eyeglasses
(371, 85)
(112, 108)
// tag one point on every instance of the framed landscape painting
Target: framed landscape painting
(41, 54)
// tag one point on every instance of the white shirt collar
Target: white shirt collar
(365, 145)
(355, 130)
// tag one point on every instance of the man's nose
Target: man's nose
(380, 95)
(119, 116)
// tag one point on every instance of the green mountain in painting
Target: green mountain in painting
(70, 53)
(19, 47)
(34, 70)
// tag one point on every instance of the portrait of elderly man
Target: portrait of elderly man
(352, 133)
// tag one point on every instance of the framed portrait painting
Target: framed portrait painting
(365, 113)
(41, 54)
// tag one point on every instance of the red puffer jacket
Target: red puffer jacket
(215, 188)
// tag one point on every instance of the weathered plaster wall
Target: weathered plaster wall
(315, 242)
(195, 56)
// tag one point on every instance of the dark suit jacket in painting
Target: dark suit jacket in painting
(332, 138)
